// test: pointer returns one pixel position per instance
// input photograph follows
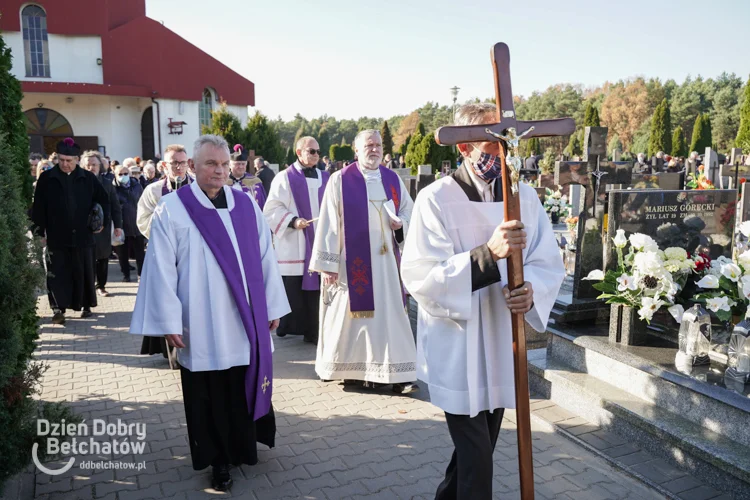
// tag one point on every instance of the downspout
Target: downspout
(158, 123)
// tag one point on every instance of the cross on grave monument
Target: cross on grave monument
(508, 132)
(593, 176)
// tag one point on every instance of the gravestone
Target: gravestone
(695, 220)
(736, 156)
(731, 174)
(274, 167)
(616, 155)
(412, 187)
(424, 170)
(594, 142)
(541, 193)
(575, 198)
(424, 180)
(664, 180)
(711, 166)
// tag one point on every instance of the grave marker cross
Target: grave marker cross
(508, 131)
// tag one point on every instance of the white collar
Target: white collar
(203, 199)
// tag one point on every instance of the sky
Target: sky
(352, 58)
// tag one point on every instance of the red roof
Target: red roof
(140, 56)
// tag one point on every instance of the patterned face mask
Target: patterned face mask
(488, 167)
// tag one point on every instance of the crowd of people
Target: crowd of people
(323, 251)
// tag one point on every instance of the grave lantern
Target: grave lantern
(695, 337)
(739, 353)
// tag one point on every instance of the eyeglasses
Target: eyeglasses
(314, 151)
(175, 164)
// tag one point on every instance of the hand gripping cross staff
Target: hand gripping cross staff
(508, 132)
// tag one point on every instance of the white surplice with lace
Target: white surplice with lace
(379, 349)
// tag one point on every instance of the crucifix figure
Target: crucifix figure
(508, 131)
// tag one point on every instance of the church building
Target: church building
(116, 81)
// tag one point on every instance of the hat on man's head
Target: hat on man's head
(135, 170)
(239, 153)
(68, 147)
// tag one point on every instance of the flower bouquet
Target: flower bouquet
(725, 285)
(572, 223)
(646, 278)
(556, 205)
(701, 181)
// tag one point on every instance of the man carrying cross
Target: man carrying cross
(454, 266)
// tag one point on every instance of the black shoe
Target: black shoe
(58, 318)
(86, 313)
(373, 385)
(132, 267)
(221, 480)
(280, 334)
(405, 388)
(126, 279)
(310, 340)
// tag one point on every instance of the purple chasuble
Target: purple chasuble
(357, 235)
(298, 184)
(254, 315)
(165, 186)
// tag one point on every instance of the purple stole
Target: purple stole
(298, 184)
(357, 235)
(259, 375)
(165, 187)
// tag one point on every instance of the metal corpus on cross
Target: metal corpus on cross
(508, 131)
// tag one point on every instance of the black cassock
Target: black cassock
(305, 304)
(70, 278)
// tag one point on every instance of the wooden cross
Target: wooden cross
(508, 131)
(265, 384)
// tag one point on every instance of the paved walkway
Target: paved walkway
(331, 443)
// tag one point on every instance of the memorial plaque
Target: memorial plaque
(424, 170)
(666, 181)
(695, 220)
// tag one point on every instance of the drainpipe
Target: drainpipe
(158, 122)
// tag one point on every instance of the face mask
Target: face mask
(488, 167)
(124, 180)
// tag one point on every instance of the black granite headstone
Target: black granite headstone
(424, 180)
(664, 180)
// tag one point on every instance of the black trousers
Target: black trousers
(303, 320)
(136, 245)
(469, 473)
(102, 272)
(221, 431)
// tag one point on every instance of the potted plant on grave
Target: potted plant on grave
(556, 205)
(645, 280)
(699, 182)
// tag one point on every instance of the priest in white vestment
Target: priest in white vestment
(176, 176)
(365, 334)
(211, 285)
(454, 266)
(291, 210)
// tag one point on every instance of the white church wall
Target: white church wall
(71, 58)
(116, 121)
(178, 111)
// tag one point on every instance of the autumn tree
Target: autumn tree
(626, 109)
(407, 128)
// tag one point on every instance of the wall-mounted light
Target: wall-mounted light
(99, 61)
(69, 100)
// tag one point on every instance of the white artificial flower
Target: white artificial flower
(620, 240)
(744, 260)
(744, 286)
(721, 239)
(595, 275)
(648, 307)
(677, 311)
(745, 228)
(731, 271)
(648, 264)
(673, 266)
(721, 303)
(625, 282)
(708, 281)
(675, 253)
(555, 209)
(643, 242)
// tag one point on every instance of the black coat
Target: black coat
(266, 176)
(104, 239)
(62, 204)
(129, 197)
